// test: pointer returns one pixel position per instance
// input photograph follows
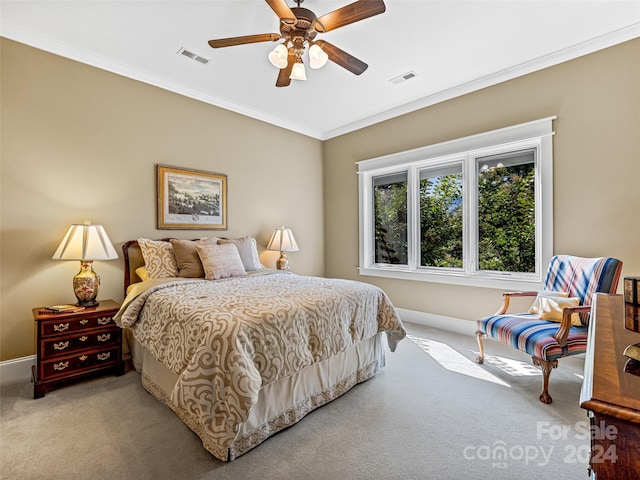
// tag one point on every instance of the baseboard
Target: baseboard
(464, 327)
(16, 370)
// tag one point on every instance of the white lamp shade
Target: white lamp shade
(85, 242)
(317, 57)
(282, 240)
(297, 72)
(278, 56)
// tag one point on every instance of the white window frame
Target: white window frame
(536, 135)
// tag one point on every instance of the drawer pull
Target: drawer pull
(83, 338)
(61, 345)
(61, 327)
(83, 358)
(60, 366)
(104, 320)
(84, 321)
(104, 338)
(104, 356)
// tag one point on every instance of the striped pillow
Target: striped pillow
(220, 261)
(248, 250)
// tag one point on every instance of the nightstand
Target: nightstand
(76, 345)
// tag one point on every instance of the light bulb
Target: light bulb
(297, 72)
(278, 56)
(317, 57)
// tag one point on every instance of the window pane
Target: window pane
(441, 217)
(390, 204)
(506, 212)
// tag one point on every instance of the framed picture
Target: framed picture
(191, 199)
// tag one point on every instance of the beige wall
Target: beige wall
(81, 143)
(596, 167)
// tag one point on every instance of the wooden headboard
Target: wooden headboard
(132, 260)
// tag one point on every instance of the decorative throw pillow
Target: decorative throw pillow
(535, 307)
(551, 309)
(142, 273)
(159, 258)
(189, 264)
(248, 249)
(220, 261)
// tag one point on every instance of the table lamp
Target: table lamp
(86, 243)
(282, 240)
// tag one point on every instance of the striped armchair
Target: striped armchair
(545, 340)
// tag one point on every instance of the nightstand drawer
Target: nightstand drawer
(57, 326)
(79, 341)
(64, 366)
(75, 345)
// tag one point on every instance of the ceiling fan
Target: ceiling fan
(298, 28)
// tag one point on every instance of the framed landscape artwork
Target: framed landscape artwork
(191, 199)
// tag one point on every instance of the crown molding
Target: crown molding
(71, 52)
(570, 53)
(13, 32)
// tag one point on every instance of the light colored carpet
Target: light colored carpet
(425, 416)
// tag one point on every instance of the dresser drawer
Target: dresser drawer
(57, 326)
(79, 341)
(70, 364)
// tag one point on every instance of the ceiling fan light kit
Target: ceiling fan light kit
(278, 56)
(298, 28)
(298, 72)
(317, 57)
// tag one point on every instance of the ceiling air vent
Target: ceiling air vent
(193, 56)
(403, 78)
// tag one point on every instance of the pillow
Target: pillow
(142, 273)
(535, 307)
(189, 264)
(248, 249)
(220, 261)
(158, 258)
(551, 309)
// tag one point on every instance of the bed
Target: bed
(240, 358)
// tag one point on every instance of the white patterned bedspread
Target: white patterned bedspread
(227, 338)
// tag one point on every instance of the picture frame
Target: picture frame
(190, 199)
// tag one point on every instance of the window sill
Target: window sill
(484, 281)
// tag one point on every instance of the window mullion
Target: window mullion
(413, 218)
(470, 230)
(365, 206)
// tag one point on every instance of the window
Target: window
(473, 211)
(390, 210)
(441, 215)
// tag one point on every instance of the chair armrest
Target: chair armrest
(563, 332)
(506, 299)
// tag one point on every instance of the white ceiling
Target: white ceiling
(454, 46)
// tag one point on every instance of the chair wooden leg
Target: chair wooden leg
(479, 336)
(546, 371)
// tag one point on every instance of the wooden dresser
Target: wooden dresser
(75, 345)
(611, 395)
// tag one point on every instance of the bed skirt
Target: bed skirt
(281, 403)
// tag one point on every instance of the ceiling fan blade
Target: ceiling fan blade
(232, 41)
(284, 77)
(342, 58)
(351, 13)
(283, 11)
